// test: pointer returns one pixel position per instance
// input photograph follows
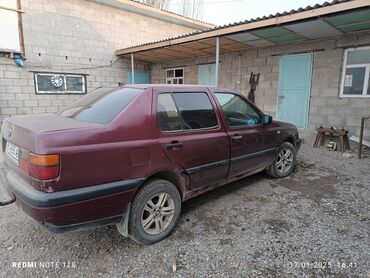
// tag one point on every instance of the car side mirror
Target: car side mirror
(267, 119)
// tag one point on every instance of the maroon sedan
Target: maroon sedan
(131, 155)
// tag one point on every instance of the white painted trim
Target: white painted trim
(172, 78)
(310, 90)
(345, 66)
(366, 85)
(358, 66)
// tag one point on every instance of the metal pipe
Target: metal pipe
(132, 69)
(217, 58)
(362, 135)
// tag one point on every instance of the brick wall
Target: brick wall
(326, 108)
(88, 34)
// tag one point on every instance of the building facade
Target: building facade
(70, 46)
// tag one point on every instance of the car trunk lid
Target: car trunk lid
(23, 131)
(24, 141)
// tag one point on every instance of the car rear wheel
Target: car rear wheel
(284, 161)
(154, 212)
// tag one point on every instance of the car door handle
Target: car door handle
(174, 145)
(236, 137)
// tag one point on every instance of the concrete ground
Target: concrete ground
(314, 223)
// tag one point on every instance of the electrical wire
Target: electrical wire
(37, 65)
(207, 3)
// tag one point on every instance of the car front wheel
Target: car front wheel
(284, 162)
(154, 212)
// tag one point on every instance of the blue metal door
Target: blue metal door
(141, 77)
(295, 89)
(207, 74)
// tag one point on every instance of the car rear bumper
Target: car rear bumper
(69, 209)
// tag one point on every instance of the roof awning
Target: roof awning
(321, 21)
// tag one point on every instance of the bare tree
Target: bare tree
(159, 4)
(190, 8)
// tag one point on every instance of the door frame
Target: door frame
(309, 87)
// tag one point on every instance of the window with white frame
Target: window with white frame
(356, 72)
(11, 38)
(175, 76)
(60, 83)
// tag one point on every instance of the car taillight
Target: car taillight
(41, 167)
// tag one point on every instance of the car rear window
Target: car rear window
(100, 106)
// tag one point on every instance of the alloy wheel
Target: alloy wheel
(157, 213)
(284, 161)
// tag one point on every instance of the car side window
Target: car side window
(196, 110)
(185, 111)
(238, 111)
(167, 114)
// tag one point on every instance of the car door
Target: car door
(191, 135)
(252, 143)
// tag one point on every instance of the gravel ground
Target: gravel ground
(314, 223)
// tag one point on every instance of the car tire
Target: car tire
(154, 212)
(284, 161)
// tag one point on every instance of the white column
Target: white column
(132, 69)
(217, 58)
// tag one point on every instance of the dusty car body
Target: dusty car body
(87, 165)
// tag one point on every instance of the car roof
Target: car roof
(174, 86)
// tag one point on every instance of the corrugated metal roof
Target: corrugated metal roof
(293, 11)
(313, 22)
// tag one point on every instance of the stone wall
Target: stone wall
(326, 107)
(74, 36)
